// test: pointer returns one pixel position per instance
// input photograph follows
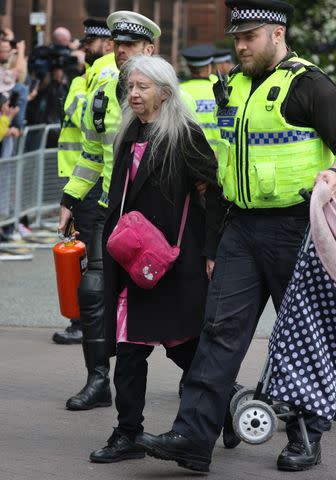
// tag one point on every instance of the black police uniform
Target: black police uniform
(255, 259)
(281, 232)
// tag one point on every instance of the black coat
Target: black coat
(174, 308)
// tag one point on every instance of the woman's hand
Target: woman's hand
(329, 177)
(201, 187)
(210, 264)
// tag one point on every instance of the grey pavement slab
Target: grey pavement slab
(28, 295)
(40, 440)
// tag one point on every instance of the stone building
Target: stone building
(183, 22)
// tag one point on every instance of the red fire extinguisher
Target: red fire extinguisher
(70, 264)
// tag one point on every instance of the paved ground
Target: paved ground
(40, 440)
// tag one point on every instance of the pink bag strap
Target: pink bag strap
(183, 219)
(184, 214)
(124, 193)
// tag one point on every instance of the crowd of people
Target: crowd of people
(209, 163)
(33, 87)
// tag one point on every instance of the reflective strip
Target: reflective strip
(273, 138)
(104, 199)
(205, 106)
(208, 125)
(71, 109)
(83, 110)
(86, 173)
(67, 123)
(108, 137)
(70, 146)
(276, 138)
(105, 138)
(91, 134)
(230, 136)
(93, 158)
(212, 141)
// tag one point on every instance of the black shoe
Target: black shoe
(295, 458)
(119, 447)
(96, 393)
(230, 439)
(72, 334)
(173, 446)
(181, 384)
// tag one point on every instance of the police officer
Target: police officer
(279, 132)
(133, 34)
(199, 60)
(96, 42)
(222, 61)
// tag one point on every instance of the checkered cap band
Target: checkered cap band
(97, 32)
(257, 15)
(127, 27)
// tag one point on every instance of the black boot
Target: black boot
(294, 457)
(97, 392)
(119, 447)
(72, 334)
(173, 446)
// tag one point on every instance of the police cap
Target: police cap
(129, 26)
(222, 55)
(95, 29)
(250, 14)
(199, 55)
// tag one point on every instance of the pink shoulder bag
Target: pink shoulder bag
(141, 248)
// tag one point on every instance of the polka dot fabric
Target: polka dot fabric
(302, 347)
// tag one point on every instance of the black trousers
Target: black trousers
(84, 214)
(130, 380)
(91, 287)
(255, 260)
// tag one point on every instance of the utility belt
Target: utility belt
(299, 210)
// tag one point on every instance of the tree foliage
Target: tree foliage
(312, 32)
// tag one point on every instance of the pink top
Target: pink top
(138, 149)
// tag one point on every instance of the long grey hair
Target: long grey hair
(174, 120)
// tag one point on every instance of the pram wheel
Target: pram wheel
(240, 398)
(255, 422)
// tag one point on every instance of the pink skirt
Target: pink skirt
(122, 326)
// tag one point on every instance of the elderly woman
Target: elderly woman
(166, 154)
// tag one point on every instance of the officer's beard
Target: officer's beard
(259, 63)
(90, 57)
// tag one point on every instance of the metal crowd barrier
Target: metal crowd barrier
(29, 183)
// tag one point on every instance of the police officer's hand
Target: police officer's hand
(210, 264)
(328, 176)
(64, 217)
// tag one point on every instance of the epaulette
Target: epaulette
(295, 66)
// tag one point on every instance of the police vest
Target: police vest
(70, 138)
(263, 160)
(102, 70)
(201, 90)
(96, 158)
